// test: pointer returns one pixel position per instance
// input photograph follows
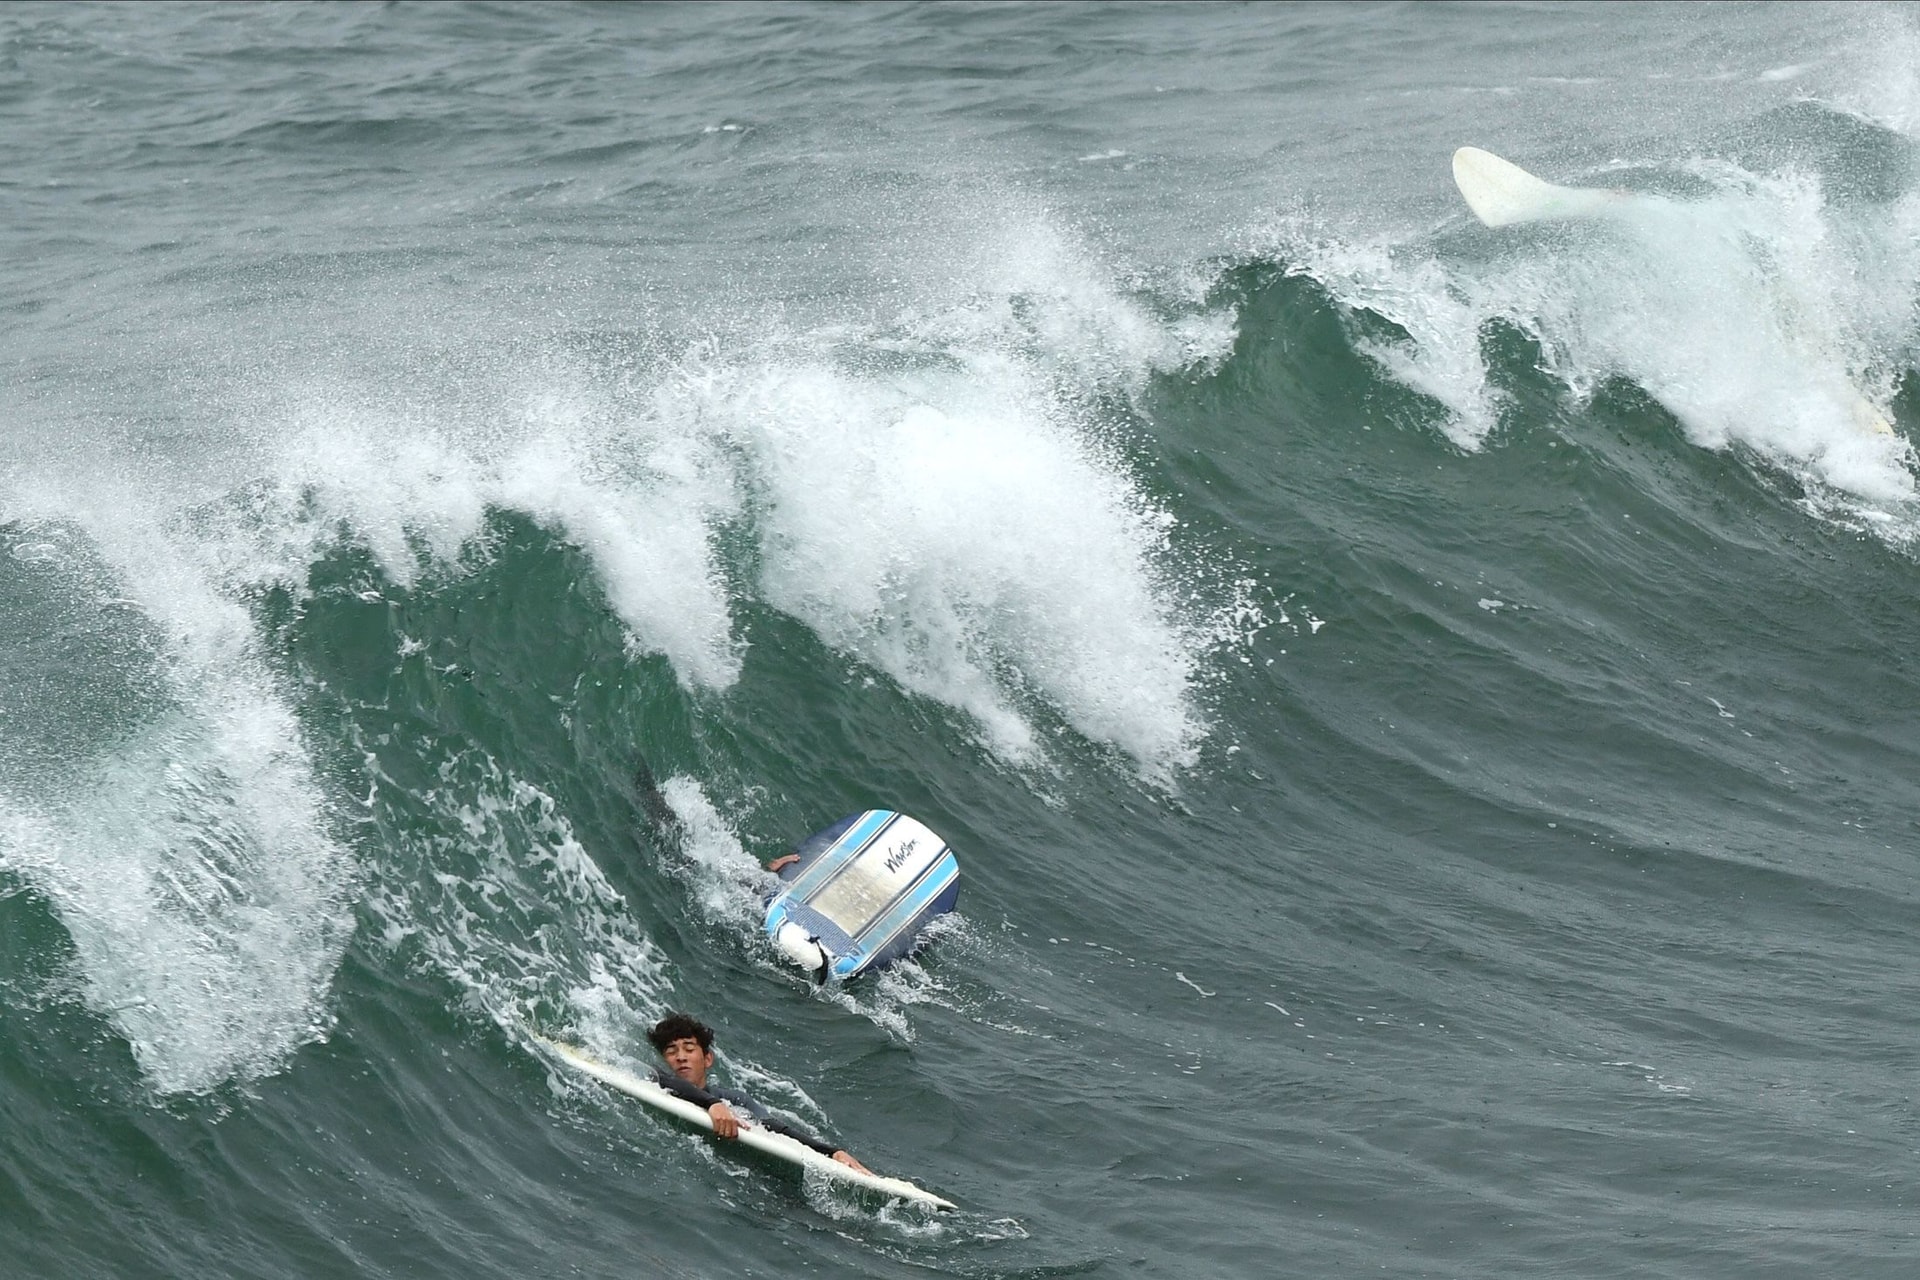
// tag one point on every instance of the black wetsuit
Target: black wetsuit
(740, 1102)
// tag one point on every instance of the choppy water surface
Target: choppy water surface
(1428, 714)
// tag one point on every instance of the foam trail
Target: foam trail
(730, 885)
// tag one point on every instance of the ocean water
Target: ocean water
(1428, 715)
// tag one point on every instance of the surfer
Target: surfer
(687, 1045)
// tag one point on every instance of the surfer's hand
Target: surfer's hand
(785, 859)
(850, 1162)
(725, 1123)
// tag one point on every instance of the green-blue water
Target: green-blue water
(1428, 714)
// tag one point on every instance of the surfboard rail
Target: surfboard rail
(752, 1135)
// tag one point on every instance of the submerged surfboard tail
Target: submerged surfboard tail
(1501, 193)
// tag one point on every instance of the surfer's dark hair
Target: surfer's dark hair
(680, 1026)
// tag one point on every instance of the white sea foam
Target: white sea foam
(729, 883)
(486, 879)
(944, 525)
(1010, 280)
(1742, 314)
(648, 528)
(191, 858)
(1879, 74)
(641, 508)
(1440, 356)
(946, 528)
(938, 495)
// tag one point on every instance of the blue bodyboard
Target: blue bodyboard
(862, 894)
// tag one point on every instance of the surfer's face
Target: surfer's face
(689, 1061)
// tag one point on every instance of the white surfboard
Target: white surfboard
(1502, 194)
(774, 1144)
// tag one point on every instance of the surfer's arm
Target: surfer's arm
(773, 1124)
(783, 861)
(725, 1123)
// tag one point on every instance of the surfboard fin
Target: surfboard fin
(1501, 193)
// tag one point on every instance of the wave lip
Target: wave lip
(950, 533)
